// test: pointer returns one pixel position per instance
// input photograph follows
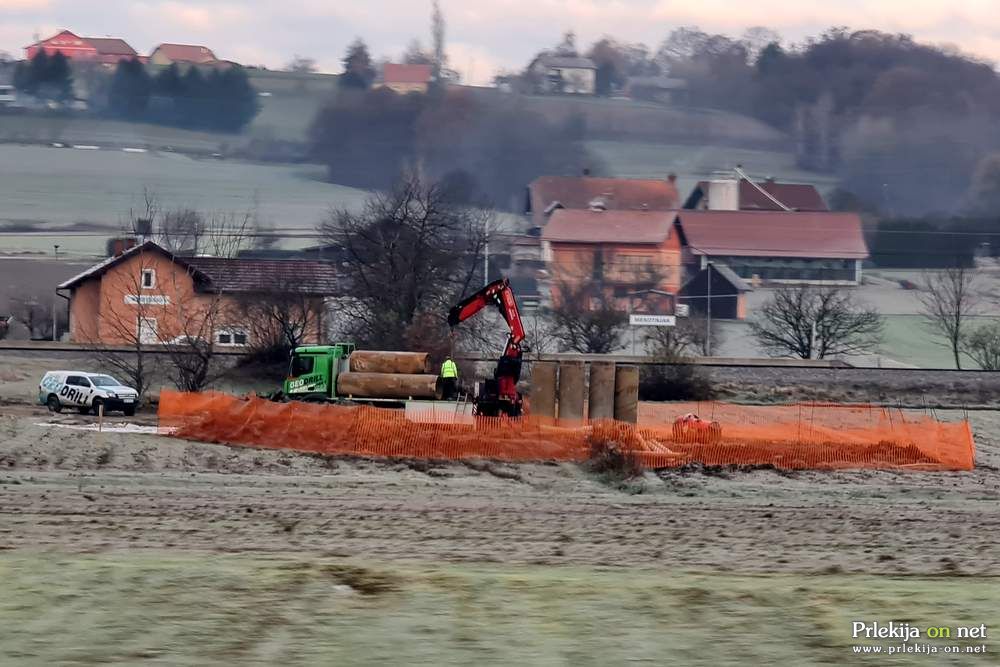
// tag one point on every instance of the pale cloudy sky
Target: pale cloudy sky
(483, 36)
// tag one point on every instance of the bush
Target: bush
(674, 382)
(609, 459)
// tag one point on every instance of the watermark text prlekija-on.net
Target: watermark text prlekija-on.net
(904, 638)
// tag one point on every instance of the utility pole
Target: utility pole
(486, 254)
(708, 315)
(55, 321)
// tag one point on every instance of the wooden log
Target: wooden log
(388, 385)
(378, 361)
(543, 389)
(601, 403)
(571, 391)
(627, 394)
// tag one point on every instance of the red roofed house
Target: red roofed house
(184, 54)
(819, 248)
(148, 294)
(617, 252)
(405, 79)
(548, 193)
(103, 50)
(742, 195)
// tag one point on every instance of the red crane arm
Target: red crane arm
(499, 294)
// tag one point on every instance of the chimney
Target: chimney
(144, 228)
(723, 195)
(672, 177)
(118, 246)
(586, 171)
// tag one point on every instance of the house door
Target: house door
(147, 330)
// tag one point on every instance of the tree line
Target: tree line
(219, 99)
(44, 76)
(366, 138)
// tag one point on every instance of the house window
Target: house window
(231, 337)
(148, 279)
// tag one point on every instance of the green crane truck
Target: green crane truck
(313, 371)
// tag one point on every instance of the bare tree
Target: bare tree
(186, 231)
(585, 319)
(982, 344)
(34, 311)
(301, 65)
(189, 346)
(689, 336)
(949, 300)
(816, 323)
(133, 325)
(279, 320)
(409, 255)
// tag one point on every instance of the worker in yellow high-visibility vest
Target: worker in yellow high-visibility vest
(449, 379)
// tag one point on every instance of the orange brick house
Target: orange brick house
(403, 79)
(615, 252)
(148, 295)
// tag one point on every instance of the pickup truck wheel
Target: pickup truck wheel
(53, 403)
(96, 406)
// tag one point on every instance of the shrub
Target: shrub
(675, 382)
(610, 453)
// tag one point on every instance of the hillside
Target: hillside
(288, 102)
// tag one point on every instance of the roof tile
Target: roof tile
(236, 275)
(186, 53)
(774, 234)
(618, 193)
(579, 226)
(107, 46)
(261, 275)
(796, 196)
(397, 73)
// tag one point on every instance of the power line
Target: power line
(310, 232)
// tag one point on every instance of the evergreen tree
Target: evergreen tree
(58, 79)
(358, 70)
(235, 99)
(193, 104)
(168, 82)
(30, 75)
(130, 90)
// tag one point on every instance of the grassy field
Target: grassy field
(906, 339)
(288, 104)
(213, 609)
(62, 187)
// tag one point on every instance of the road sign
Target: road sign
(652, 320)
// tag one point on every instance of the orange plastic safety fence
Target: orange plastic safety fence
(797, 436)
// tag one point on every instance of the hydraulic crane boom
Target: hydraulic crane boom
(500, 395)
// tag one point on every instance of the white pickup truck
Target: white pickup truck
(86, 392)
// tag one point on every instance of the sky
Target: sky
(483, 36)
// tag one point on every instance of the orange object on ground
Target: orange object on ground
(806, 436)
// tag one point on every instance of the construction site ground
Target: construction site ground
(126, 544)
